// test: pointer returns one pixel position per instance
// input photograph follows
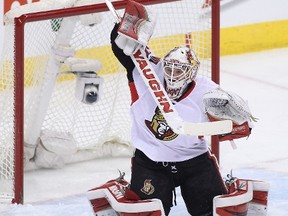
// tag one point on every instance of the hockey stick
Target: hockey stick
(167, 108)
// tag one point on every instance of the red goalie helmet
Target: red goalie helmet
(180, 68)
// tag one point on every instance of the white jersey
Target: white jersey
(150, 132)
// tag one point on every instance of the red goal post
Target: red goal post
(37, 97)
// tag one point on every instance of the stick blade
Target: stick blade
(208, 128)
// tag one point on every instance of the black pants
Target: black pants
(199, 180)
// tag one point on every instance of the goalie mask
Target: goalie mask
(180, 68)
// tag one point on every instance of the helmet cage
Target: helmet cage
(175, 73)
(178, 76)
(180, 68)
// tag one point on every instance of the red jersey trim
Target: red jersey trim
(133, 91)
(189, 90)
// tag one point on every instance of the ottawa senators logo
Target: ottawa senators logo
(159, 127)
(148, 188)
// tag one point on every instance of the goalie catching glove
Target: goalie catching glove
(136, 28)
(222, 105)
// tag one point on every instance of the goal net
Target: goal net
(77, 109)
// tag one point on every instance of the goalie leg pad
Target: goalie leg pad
(109, 199)
(246, 197)
(236, 202)
(258, 205)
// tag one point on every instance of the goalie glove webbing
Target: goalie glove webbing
(219, 105)
(227, 105)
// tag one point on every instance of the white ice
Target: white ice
(261, 78)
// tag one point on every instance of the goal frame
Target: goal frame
(20, 22)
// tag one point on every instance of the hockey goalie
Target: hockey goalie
(165, 159)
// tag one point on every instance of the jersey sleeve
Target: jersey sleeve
(125, 60)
